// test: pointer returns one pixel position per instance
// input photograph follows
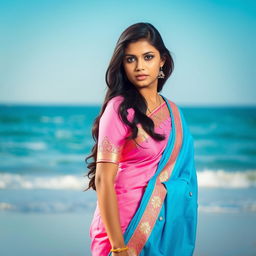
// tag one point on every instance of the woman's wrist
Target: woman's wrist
(120, 249)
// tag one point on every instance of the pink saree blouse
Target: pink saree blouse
(136, 164)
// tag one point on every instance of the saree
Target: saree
(165, 223)
(164, 219)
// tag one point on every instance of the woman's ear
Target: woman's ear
(163, 59)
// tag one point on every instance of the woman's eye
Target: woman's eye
(150, 57)
(129, 59)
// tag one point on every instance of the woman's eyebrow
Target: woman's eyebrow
(135, 55)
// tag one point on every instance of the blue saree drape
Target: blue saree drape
(166, 220)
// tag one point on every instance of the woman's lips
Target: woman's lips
(142, 77)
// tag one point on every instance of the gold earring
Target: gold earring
(161, 73)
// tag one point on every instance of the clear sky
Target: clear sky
(58, 51)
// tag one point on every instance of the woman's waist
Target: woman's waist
(133, 178)
(124, 190)
(126, 198)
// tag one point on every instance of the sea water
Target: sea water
(43, 150)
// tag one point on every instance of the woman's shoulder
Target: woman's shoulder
(168, 99)
(116, 101)
(172, 103)
(176, 107)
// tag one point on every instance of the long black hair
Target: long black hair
(118, 84)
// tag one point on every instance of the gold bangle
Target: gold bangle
(119, 249)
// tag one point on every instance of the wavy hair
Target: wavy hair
(118, 84)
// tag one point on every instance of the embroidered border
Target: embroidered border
(161, 115)
(142, 134)
(150, 215)
(108, 152)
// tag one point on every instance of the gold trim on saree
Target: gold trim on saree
(154, 205)
(159, 117)
(108, 152)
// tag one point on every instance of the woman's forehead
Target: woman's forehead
(139, 48)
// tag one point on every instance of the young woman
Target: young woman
(143, 169)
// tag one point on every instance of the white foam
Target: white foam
(17, 181)
(206, 129)
(201, 143)
(237, 206)
(35, 145)
(216, 209)
(60, 206)
(206, 178)
(6, 206)
(222, 179)
(54, 119)
(60, 133)
(44, 207)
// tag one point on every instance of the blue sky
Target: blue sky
(58, 51)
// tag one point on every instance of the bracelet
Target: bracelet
(119, 249)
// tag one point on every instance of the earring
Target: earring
(161, 73)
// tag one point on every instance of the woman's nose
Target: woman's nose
(139, 64)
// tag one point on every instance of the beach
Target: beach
(44, 211)
(67, 233)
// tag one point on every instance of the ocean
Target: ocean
(43, 150)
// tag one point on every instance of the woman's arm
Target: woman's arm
(108, 207)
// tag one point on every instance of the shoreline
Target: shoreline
(67, 234)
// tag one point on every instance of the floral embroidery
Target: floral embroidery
(156, 201)
(107, 151)
(146, 225)
(132, 252)
(163, 176)
(150, 214)
(145, 228)
(161, 118)
(107, 146)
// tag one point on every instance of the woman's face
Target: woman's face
(142, 58)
